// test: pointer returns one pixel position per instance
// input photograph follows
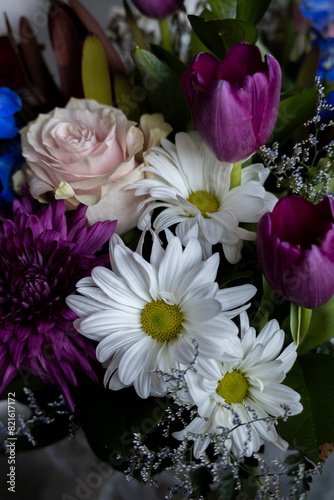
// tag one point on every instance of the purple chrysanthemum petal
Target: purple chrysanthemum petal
(42, 257)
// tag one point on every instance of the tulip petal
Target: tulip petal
(249, 61)
(271, 105)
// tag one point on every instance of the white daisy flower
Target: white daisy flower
(252, 384)
(144, 314)
(194, 188)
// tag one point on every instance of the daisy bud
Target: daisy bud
(157, 8)
(295, 245)
(234, 103)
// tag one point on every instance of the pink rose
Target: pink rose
(85, 153)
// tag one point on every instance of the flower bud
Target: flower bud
(295, 246)
(157, 8)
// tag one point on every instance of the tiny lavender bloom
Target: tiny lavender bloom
(234, 103)
(42, 256)
(157, 8)
(295, 245)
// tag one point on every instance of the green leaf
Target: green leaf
(308, 70)
(195, 44)
(124, 97)
(219, 36)
(312, 376)
(252, 11)
(109, 418)
(173, 62)
(226, 485)
(201, 480)
(160, 80)
(224, 9)
(321, 327)
(294, 110)
(95, 72)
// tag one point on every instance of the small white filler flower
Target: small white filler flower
(145, 314)
(193, 187)
(240, 399)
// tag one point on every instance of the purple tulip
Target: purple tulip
(295, 245)
(234, 103)
(158, 9)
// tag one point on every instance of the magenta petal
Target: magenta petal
(9, 375)
(204, 66)
(271, 104)
(314, 269)
(249, 61)
(257, 85)
(217, 110)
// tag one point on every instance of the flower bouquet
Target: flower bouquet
(167, 242)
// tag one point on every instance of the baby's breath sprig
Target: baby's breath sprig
(218, 460)
(309, 170)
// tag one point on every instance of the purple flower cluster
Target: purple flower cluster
(42, 257)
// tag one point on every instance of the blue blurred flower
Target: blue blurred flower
(321, 13)
(10, 103)
(326, 59)
(326, 69)
(11, 160)
(8, 165)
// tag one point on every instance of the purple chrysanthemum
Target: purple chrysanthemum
(42, 257)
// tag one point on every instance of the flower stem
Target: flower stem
(300, 318)
(236, 175)
(166, 42)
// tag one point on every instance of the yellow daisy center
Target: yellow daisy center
(162, 321)
(205, 202)
(232, 387)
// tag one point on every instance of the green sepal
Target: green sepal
(300, 318)
(321, 327)
(236, 175)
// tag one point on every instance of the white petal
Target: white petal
(135, 360)
(186, 229)
(113, 343)
(182, 350)
(235, 296)
(200, 310)
(211, 229)
(116, 291)
(135, 272)
(83, 306)
(202, 272)
(288, 357)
